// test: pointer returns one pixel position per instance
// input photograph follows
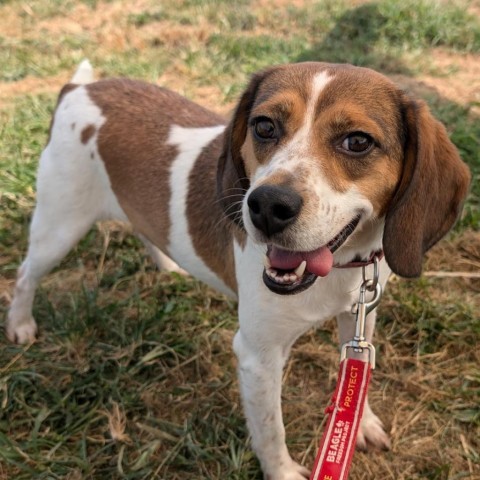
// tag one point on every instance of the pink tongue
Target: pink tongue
(319, 262)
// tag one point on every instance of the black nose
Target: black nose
(273, 208)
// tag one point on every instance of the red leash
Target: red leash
(335, 454)
(338, 443)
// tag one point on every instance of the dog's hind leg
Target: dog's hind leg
(52, 236)
(66, 209)
(73, 191)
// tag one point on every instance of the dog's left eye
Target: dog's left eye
(357, 143)
(264, 128)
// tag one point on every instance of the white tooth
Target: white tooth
(300, 270)
(266, 263)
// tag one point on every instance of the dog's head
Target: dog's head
(325, 164)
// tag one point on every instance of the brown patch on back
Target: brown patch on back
(87, 133)
(210, 230)
(132, 144)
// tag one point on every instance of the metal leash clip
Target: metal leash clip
(361, 309)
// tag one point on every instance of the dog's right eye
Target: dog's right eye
(264, 128)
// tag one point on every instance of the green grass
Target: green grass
(151, 353)
(411, 25)
(133, 374)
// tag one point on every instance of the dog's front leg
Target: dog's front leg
(260, 375)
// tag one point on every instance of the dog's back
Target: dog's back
(130, 135)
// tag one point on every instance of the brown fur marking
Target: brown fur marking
(205, 225)
(430, 194)
(87, 133)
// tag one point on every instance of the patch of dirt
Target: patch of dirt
(461, 86)
(168, 33)
(281, 3)
(81, 18)
(474, 8)
(31, 85)
(206, 95)
(12, 22)
(107, 25)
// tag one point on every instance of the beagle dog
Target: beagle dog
(321, 166)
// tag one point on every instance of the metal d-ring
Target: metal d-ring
(361, 309)
(371, 284)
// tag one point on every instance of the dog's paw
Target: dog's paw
(294, 471)
(371, 432)
(23, 331)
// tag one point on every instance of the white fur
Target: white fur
(320, 81)
(84, 73)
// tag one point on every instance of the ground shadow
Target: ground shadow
(354, 39)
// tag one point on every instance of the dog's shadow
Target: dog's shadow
(355, 39)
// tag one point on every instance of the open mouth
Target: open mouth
(287, 272)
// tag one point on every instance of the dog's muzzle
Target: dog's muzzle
(272, 209)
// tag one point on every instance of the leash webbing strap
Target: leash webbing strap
(338, 442)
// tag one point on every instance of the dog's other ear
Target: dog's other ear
(232, 180)
(430, 194)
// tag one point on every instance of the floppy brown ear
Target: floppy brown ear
(430, 193)
(232, 180)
